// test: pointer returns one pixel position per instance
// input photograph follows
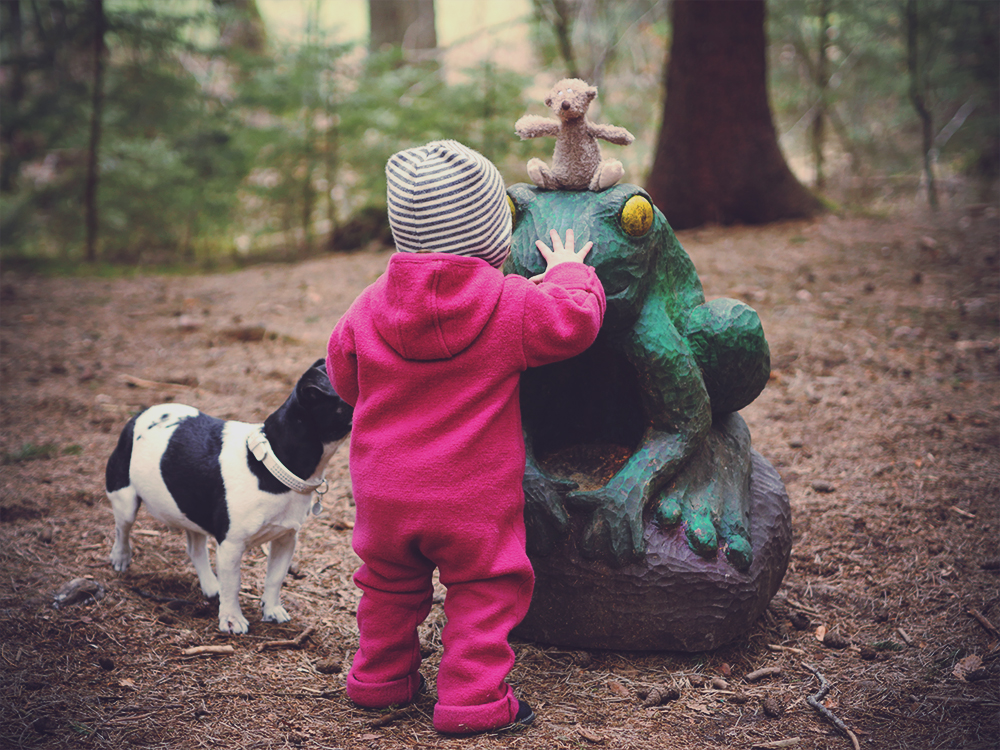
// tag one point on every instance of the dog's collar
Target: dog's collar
(259, 446)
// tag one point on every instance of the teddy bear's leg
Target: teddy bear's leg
(540, 174)
(608, 172)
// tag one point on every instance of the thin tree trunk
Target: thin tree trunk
(822, 83)
(560, 16)
(918, 96)
(93, 151)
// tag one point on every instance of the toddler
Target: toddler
(430, 356)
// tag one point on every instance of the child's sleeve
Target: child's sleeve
(342, 362)
(562, 314)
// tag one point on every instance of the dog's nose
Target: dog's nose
(565, 105)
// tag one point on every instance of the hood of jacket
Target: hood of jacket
(432, 306)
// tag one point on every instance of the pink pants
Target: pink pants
(481, 557)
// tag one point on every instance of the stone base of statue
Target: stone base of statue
(673, 600)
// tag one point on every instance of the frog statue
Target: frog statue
(652, 524)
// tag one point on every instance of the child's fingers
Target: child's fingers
(557, 243)
(585, 250)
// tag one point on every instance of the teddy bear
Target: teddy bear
(576, 163)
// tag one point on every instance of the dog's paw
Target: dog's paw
(211, 592)
(120, 559)
(236, 624)
(275, 614)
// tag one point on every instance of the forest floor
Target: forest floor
(882, 416)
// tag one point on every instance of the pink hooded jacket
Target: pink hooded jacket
(430, 356)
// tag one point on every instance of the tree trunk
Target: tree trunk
(406, 23)
(559, 15)
(717, 159)
(918, 97)
(822, 84)
(241, 26)
(93, 151)
(14, 93)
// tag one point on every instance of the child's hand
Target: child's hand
(558, 253)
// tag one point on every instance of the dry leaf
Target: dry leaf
(590, 736)
(618, 689)
(967, 666)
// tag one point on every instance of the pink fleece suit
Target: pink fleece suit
(430, 355)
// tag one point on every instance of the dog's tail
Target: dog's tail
(116, 475)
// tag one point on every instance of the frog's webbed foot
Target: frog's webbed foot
(545, 518)
(615, 530)
(711, 496)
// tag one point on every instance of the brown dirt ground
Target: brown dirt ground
(882, 417)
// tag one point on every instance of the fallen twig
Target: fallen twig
(386, 719)
(790, 742)
(803, 608)
(203, 650)
(789, 649)
(764, 672)
(295, 642)
(826, 713)
(142, 383)
(981, 619)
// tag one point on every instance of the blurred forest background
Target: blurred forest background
(204, 133)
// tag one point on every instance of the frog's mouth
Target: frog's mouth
(584, 416)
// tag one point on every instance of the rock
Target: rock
(330, 665)
(78, 591)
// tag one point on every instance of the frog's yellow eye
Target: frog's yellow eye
(637, 216)
(513, 210)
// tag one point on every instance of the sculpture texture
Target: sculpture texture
(652, 524)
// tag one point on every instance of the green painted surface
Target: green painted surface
(661, 383)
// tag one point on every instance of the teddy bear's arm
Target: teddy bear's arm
(612, 134)
(535, 126)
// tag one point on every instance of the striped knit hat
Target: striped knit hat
(447, 198)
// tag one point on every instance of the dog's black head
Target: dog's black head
(329, 415)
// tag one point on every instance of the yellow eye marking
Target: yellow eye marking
(513, 209)
(637, 216)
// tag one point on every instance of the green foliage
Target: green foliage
(168, 169)
(873, 127)
(32, 452)
(323, 124)
(211, 152)
(206, 151)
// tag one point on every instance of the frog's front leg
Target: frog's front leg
(677, 404)
(710, 497)
(545, 517)
(616, 528)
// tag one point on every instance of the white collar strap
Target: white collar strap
(261, 449)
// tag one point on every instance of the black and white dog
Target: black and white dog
(245, 484)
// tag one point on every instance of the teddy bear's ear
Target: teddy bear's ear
(591, 92)
(548, 101)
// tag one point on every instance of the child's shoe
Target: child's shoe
(525, 715)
